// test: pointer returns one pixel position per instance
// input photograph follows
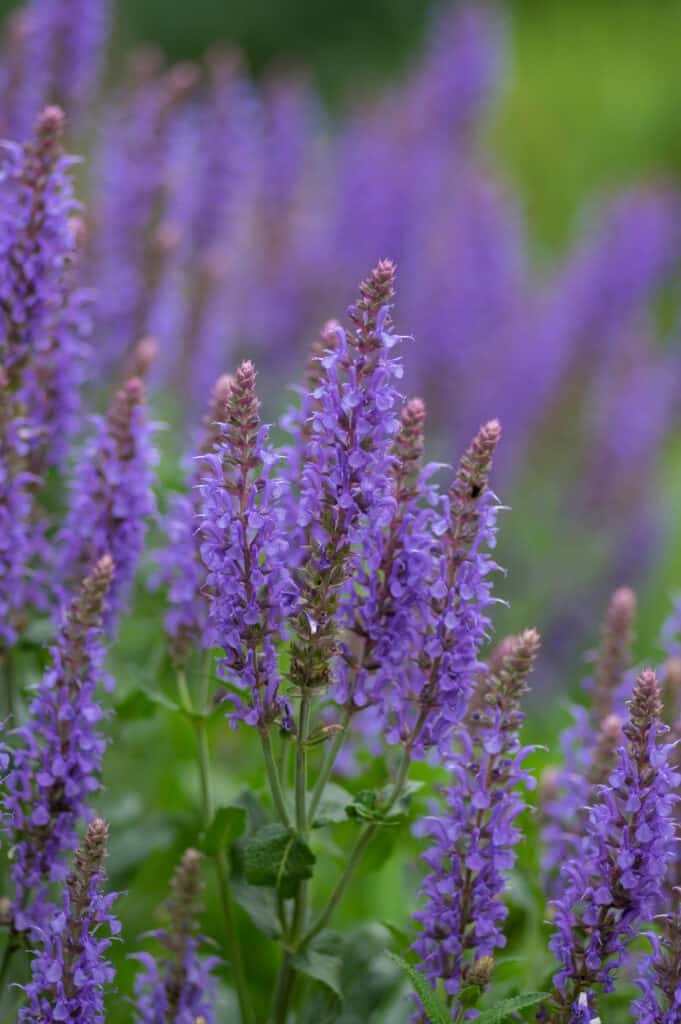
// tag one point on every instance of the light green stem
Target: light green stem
(362, 842)
(273, 778)
(231, 939)
(330, 758)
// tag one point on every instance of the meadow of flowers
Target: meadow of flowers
(264, 756)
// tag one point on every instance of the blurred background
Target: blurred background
(246, 163)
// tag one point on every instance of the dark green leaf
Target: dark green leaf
(276, 856)
(332, 806)
(226, 826)
(502, 1011)
(260, 905)
(322, 967)
(435, 1009)
(143, 703)
(469, 995)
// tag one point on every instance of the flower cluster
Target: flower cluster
(111, 498)
(244, 549)
(57, 763)
(179, 986)
(69, 972)
(589, 744)
(42, 318)
(181, 568)
(613, 884)
(473, 841)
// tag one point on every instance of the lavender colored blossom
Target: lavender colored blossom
(131, 186)
(181, 569)
(384, 605)
(614, 883)
(19, 536)
(63, 44)
(473, 841)
(346, 490)
(179, 986)
(69, 971)
(460, 591)
(588, 745)
(659, 974)
(58, 759)
(43, 318)
(111, 498)
(244, 548)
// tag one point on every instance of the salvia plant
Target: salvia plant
(289, 778)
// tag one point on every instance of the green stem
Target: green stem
(362, 842)
(330, 758)
(10, 949)
(10, 681)
(231, 940)
(282, 992)
(301, 766)
(273, 778)
(232, 944)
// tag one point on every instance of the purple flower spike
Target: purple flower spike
(178, 986)
(659, 974)
(112, 498)
(69, 973)
(614, 883)
(244, 547)
(385, 604)
(57, 762)
(346, 490)
(42, 315)
(473, 842)
(181, 567)
(459, 593)
(588, 744)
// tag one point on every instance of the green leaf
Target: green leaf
(226, 826)
(502, 1011)
(276, 856)
(322, 967)
(332, 806)
(260, 905)
(469, 995)
(435, 1009)
(143, 703)
(367, 804)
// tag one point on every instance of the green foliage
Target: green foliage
(436, 1011)
(277, 857)
(510, 1007)
(227, 825)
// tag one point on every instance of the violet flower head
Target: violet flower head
(181, 568)
(460, 591)
(179, 985)
(346, 489)
(589, 743)
(18, 535)
(69, 971)
(244, 549)
(614, 883)
(659, 974)
(57, 762)
(42, 314)
(63, 43)
(131, 188)
(473, 841)
(384, 606)
(112, 498)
